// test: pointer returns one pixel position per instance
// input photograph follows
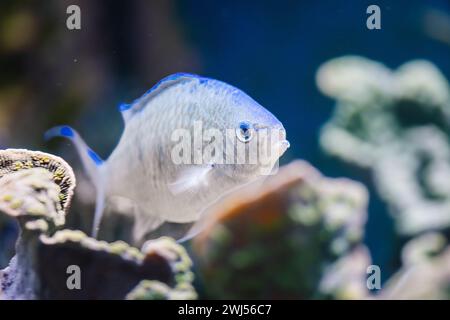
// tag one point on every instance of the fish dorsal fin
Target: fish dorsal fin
(128, 110)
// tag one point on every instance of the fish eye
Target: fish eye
(244, 132)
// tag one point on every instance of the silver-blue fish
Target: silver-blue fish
(143, 168)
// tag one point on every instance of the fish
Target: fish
(160, 163)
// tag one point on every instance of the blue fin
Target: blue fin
(128, 110)
(92, 163)
(125, 110)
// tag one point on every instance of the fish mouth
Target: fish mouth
(283, 145)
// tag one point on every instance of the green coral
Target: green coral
(155, 290)
(181, 263)
(425, 273)
(32, 195)
(298, 236)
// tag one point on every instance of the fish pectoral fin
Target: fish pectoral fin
(191, 179)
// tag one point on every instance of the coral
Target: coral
(155, 290)
(346, 278)
(299, 235)
(17, 183)
(279, 242)
(396, 124)
(38, 189)
(426, 270)
(38, 194)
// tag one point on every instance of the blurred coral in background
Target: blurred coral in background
(398, 125)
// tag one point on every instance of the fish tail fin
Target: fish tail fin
(92, 163)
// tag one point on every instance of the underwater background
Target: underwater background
(272, 50)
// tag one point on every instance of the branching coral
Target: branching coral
(397, 124)
(426, 270)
